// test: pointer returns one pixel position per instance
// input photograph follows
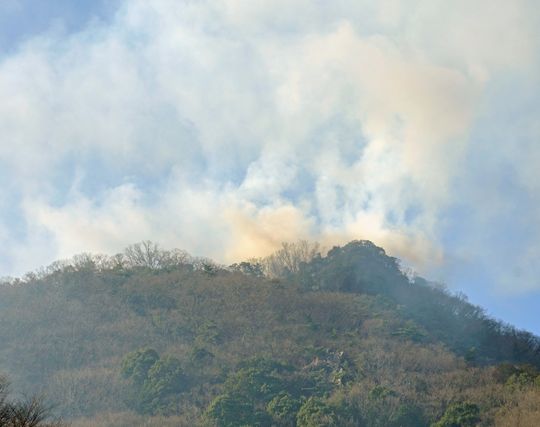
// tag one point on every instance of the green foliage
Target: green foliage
(283, 408)
(136, 364)
(200, 355)
(410, 331)
(165, 377)
(407, 415)
(254, 383)
(316, 412)
(262, 390)
(516, 376)
(380, 392)
(520, 380)
(208, 333)
(253, 268)
(253, 395)
(460, 415)
(230, 411)
(156, 381)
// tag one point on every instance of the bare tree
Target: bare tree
(148, 254)
(290, 258)
(24, 413)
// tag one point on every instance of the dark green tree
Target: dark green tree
(460, 415)
(229, 410)
(315, 412)
(283, 409)
(156, 381)
(136, 364)
(164, 382)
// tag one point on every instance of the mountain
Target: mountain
(159, 338)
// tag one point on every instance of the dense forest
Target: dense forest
(301, 338)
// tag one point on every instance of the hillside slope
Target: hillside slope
(160, 338)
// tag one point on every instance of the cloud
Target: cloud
(226, 127)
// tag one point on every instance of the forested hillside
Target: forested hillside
(345, 338)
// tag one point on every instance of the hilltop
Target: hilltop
(300, 338)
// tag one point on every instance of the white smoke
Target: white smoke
(226, 127)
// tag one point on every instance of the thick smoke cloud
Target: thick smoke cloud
(226, 127)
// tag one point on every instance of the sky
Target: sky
(226, 127)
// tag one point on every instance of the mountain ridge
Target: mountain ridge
(347, 336)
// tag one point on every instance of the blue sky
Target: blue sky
(226, 127)
(20, 20)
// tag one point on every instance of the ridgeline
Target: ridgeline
(159, 338)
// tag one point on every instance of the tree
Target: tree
(315, 412)
(147, 254)
(252, 395)
(407, 415)
(290, 258)
(283, 409)
(460, 415)
(255, 383)
(230, 410)
(164, 378)
(24, 413)
(251, 268)
(136, 364)
(144, 254)
(156, 381)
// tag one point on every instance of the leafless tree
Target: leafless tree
(24, 413)
(290, 257)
